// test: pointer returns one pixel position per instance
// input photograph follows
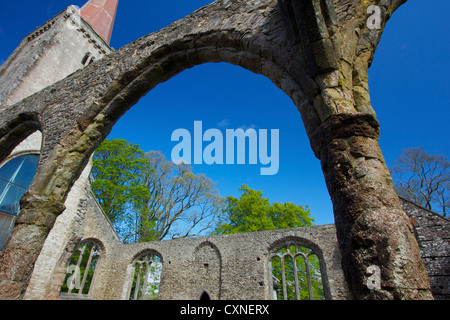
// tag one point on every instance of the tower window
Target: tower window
(85, 59)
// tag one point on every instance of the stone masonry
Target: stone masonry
(49, 54)
(433, 234)
(316, 51)
(237, 264)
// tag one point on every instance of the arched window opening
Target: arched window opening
(85, 59)
(191, 127)
(146, 277)
(81, 269)
(296, 274)
(205, 296)
(16, 176)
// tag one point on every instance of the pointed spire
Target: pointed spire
(101, 15)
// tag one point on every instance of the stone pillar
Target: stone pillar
(24, 245)
(372, 228)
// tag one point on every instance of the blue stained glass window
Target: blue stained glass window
(15, 178)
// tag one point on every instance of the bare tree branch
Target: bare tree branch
(423, 178)
(180, 203)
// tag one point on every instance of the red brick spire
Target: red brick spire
(101, 15)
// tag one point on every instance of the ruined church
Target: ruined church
(64, 88)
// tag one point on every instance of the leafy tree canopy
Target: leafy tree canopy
(252, 212)
(149, 198)
(117, 165)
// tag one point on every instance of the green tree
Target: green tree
(149, 198)
(252, 212)
(117, 167)
(179, 203)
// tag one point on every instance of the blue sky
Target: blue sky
(409, 85)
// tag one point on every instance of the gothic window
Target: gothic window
(80, 272)
(146, 277)
(15, 177)
(296, 273)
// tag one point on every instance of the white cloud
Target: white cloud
(246, 127)
(224, 123)
(181, 161)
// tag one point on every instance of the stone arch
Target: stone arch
(303, 242)
(82, 271)
(15, 131)
(204, 296)
(144, 275)
(222, 46)
(150, 61)
(292, 248)
(145, 252)
(208, 246)
(317, 53)
(207, 266)
(72, 246)
(295, 240)
(99, 243)
(28, 142)
(158, 57)
(32, 144)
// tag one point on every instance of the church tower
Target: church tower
(61, 46)
(100, 14)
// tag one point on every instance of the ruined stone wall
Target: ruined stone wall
(433, 235)
(82, 219)
(226, 267)
(311, 50)
(230, 267)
